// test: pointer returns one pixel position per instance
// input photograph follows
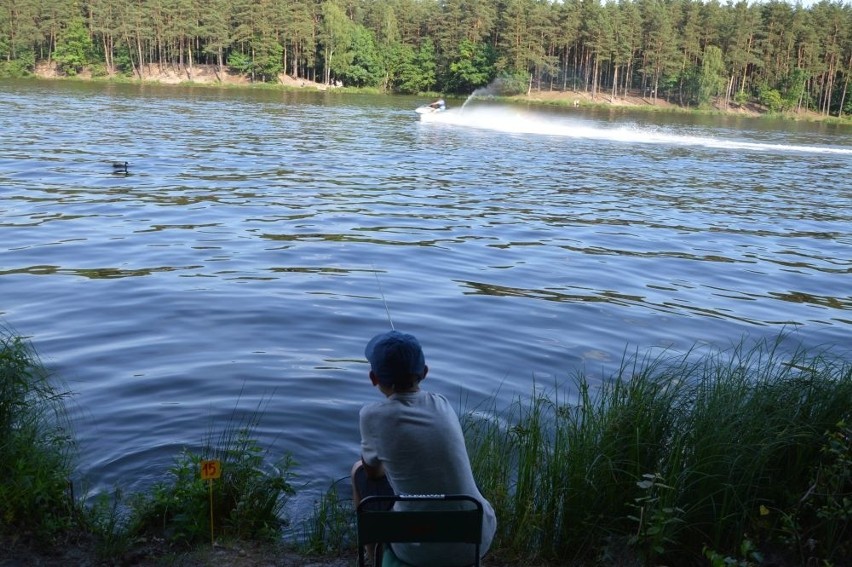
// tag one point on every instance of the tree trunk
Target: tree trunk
(107, 55)
(161, 53)
(656, 86)
(595, 74)
(139, 54)
(130, 55)
(587, 70)
(728, 91)
(329, 54)
(221, 64)
(614, 82)
(284, 59)
(295, 64)
(189, 57)
(843, 96)
(628, 76)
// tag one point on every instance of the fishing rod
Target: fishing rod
(382, 292)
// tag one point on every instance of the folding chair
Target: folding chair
(424, 526)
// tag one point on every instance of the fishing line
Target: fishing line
(382, 292)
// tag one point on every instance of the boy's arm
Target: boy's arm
(373, 472)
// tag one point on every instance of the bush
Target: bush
(741, 98)
(35, 445)
(99, 70)
(239, 62)
(247, 502)
(23, 66)
(819, 523)
(771, 99)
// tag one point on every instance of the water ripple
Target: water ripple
(236, 261)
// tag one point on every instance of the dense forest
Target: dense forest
(690, 52)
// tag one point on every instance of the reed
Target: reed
(247, 501)
(675, 459)
(330, 529)
(36, 447)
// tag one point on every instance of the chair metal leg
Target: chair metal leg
(370, 554)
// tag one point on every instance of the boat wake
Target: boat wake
(520, 122)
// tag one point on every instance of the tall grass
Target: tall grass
(35, 445)
(247, 502)
(330, 529)
(675, 459)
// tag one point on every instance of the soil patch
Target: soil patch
(631, 100)
(175, 74)
(82, 552)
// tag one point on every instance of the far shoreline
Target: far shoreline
(208, 76)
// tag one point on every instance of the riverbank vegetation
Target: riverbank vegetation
(733, 458)
(687, 52)
(36, 444)
(742, 457)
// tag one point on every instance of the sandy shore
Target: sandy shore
(583, 98)
(207, 75)
(173, 75)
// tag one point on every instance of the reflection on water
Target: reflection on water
(237, 261)
(548, 295)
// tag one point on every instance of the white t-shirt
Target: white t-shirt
(418, 439)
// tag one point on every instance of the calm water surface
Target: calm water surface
(237, 264)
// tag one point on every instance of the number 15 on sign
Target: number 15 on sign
(211, 470)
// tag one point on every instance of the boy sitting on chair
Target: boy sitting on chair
(412, 443)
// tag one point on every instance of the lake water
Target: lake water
(242, 261)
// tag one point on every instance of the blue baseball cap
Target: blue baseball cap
(396, 358)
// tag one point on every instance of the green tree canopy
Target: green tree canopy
(74, 47)
(653, 48)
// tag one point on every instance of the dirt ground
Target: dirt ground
(171, 75)
(581, 98)
(16, 552)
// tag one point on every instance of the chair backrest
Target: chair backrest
(432, 526)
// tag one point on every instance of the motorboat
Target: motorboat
(434, 108)
(426, 109)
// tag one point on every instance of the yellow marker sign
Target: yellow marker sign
(211, 470)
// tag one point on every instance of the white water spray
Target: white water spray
(495, 87)
(516, 120)
(469, 98)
